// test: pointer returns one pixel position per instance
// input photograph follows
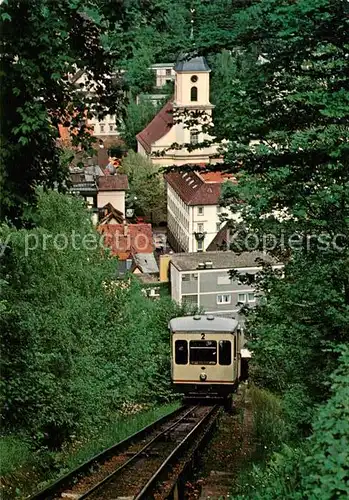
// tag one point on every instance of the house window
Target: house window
(225, 298)
(200, 227)
(102, 127)
(218, 226)
(194, 94)
(251, 297)
(111, 127)
(194, 137)
(189, 277)
(190, 299)
(168, 72)
(242, 297)
(200, 246)
(200, 210)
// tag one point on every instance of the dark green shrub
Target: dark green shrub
(326, 471)
(75, 344)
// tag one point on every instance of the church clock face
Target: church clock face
(194, 78)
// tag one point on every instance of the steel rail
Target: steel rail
(66, 481)
(134, 457)
(142, 494)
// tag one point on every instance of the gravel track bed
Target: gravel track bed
(101, 471)
(136, 474)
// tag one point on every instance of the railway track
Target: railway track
(146, 465)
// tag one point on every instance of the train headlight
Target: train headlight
(203, 376)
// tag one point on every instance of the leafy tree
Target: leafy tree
(138, 115)
(57, 40)
(75, 342)
(317, 470)
(147, 191)
(325, 475)
(139, 76)
(289, 148)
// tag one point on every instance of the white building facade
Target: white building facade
(194, 215)
(204, 281)
(172, 125)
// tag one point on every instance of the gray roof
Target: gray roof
(147, 262)
(203, 323)
(194, 65)
(220, 260)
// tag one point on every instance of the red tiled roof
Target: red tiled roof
(118, 182)
(194, 189)
(157, 128)
(216, 176)
(128, 240)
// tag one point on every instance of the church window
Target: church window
(194, 78)
(194, 94)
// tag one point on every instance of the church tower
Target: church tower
(188, 133)
(192, 84)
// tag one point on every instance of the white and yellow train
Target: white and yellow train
(205, 356)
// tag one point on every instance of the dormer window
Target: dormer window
(194, 94)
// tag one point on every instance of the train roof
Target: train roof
(203, 323)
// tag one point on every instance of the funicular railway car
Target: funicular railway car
(205, 357)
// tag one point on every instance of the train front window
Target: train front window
(225, 352)
(203, 352)
(181, 352)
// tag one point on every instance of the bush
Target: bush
(326, 473)
(270, 428)
(279, 479)
(75, 344)
(15, 451)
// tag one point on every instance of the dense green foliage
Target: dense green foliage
(286, 116)
(75, 343)
(57, 39)
(147, 190)
(318, 468)
(293, 189)
(325, 474)
(138, 115)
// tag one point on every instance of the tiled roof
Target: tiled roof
(146, 263)
(221, 240)
(118, 182)
(126, 241)
(193, 188)
(101, 158)
(157, 128)
(110, 214)
(220, 260)
(196, 65)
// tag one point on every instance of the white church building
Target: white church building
(170, 126)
